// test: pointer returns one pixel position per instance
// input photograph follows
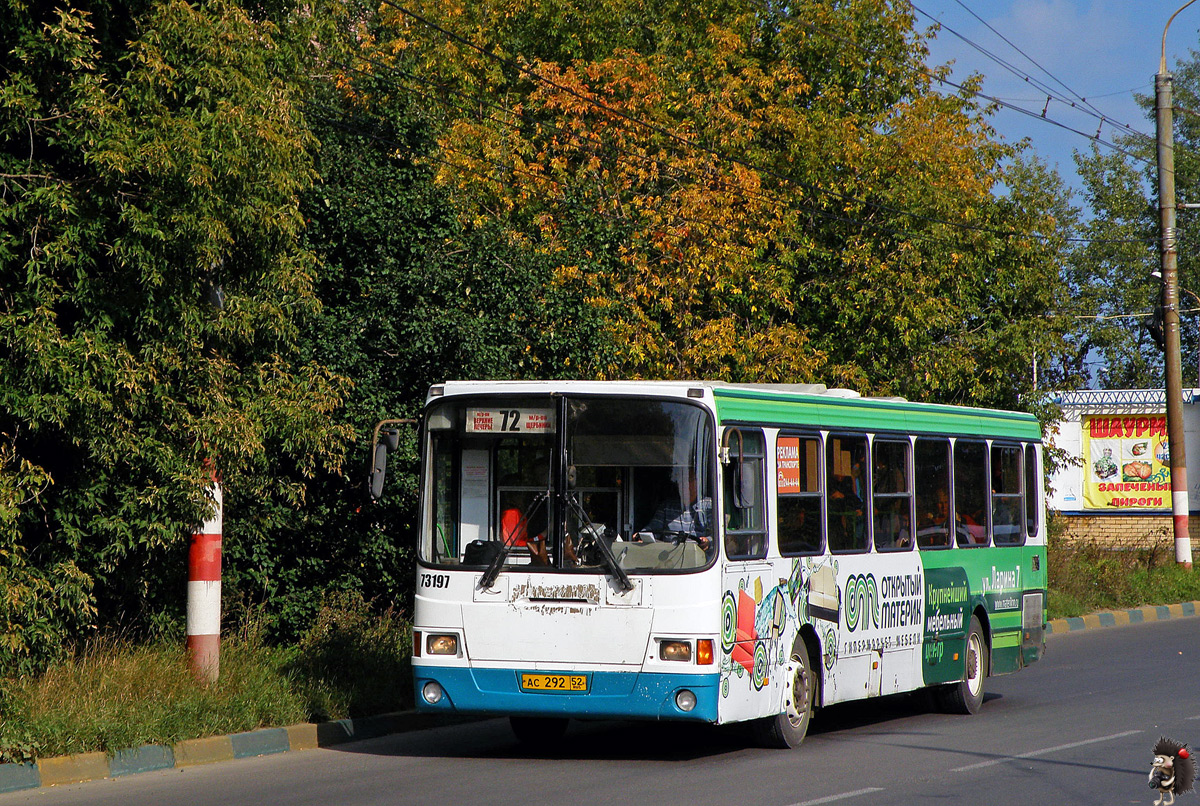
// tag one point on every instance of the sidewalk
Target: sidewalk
(309, 736)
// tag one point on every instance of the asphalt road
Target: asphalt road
(1076, 728)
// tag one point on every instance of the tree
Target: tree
(1112, 275)
(1115, 275)
(750, 192)
(411, 295)
(143, 179)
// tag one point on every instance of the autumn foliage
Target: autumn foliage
(747, 192)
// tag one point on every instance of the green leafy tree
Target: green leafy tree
(147, 173)
(412, 294)
(1115, 292)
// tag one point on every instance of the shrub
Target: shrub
(354, 662)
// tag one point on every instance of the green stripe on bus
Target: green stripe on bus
(1006, 639)
(873, 415)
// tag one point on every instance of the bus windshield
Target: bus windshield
(564, 483)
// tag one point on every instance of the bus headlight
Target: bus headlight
(433, 693)
(674, 650)
(685, 700)
(441, 645)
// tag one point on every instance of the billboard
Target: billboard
(1126, 462)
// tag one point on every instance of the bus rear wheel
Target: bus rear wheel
(966, 696)
(787, 730)
(540, 732)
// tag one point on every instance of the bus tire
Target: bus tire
(540, 732)
(787, 730)
(966, 696)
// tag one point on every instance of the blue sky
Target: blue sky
(1102, 50)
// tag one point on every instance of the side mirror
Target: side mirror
(378, 470)
(744, 492)
(384, 440)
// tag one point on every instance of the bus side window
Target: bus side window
(970, 492)
(892, 495)
(932, 460)
(745, 520)
(798, 475)
(1033, 483)
(1007, 495)
(846, 495)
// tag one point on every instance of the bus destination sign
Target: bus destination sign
(510, 421)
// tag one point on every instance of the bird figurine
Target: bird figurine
(1172, 771)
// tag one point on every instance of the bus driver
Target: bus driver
(693, 520)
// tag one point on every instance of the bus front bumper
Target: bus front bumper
(609, 695)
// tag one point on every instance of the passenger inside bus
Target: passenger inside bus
(845, 515)
(934, 528)
(523, 515)
(799, 524)
(523, 525)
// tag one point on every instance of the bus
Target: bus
(717, 552)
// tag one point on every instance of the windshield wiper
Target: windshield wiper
(493, 570)
(606, 555)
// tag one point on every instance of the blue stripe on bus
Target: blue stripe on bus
(636, 695)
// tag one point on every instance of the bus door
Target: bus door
(871, 539)
(896, 564)
(754, 626)
(859, 666)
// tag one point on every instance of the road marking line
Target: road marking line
(843, 796)
(1045, 751)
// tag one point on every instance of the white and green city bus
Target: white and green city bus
(718, 552)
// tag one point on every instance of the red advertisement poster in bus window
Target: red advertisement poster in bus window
(1126, 462)
(787, 464)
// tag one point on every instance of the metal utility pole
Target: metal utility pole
(1170, 302)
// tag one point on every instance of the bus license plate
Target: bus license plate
(554, 682)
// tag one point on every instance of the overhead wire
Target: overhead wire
(969, 92)
(1086, 108)
(1051, 121)
(1032, 60)
(1043, 116)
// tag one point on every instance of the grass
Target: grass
(1086, 577)
(112, 695)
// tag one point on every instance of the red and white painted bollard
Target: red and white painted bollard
(204, 594)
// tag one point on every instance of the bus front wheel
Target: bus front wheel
(966, 696)
(787, 730)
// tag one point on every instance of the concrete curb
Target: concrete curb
(1119, 618)
(306, 736)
